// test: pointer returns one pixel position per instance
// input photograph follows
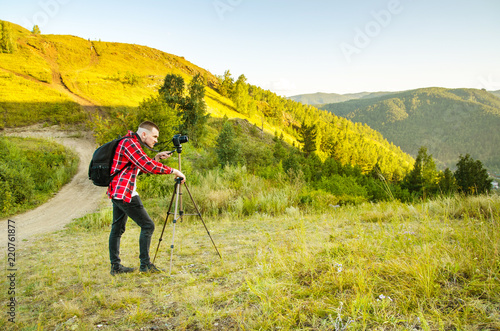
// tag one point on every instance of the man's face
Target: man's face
(150, 138)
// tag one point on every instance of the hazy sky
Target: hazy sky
(297, 46)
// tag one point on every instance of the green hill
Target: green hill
(449, 122)
(63, 79)
(106, 74)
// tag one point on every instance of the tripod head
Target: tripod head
(178, 180)
(177, 149)
(177, 140)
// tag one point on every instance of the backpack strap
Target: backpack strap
(123, 168)
(119, 171)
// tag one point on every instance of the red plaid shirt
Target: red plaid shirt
(129, 150)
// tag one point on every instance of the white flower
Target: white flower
(382, 297)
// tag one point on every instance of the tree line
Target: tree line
(351, 157)
(317, 130)
(424, 180)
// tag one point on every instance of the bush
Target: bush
(16, 184)
(342, 186)
(31, 170)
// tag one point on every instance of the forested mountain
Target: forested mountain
(324, 98)
(449, 122)
(60, 79)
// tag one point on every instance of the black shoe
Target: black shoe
(120, 269)
(149, 268)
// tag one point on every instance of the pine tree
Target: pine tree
(36, 30)
(279, 150)
(240, 95)
(424, 176)
(6, 43)
(307, 137)
(227, 148)
(471, 176)
(226, 84)
(172, 91)
(447, 182)
(194, 113)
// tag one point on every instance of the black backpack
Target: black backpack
(100, 165)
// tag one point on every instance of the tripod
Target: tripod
(179, 212)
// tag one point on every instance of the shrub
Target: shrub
(31, 170)
(342, 186)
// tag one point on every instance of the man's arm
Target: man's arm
(147, 164)
(136, 155)
(165, 155)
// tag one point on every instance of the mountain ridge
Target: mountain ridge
(447, 121)
(322, 98)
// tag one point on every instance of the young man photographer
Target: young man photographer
(126, 202)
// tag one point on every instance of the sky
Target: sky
(296, 47)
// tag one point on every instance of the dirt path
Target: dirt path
(74, 200)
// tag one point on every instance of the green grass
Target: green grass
(28, 60)
(390, 266)
(115, 74)
(106, 73)
(24, 102)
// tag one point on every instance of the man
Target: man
(126, 202)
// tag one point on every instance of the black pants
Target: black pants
(135, 210)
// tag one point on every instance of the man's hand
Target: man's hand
(177, 173)
(162, 155)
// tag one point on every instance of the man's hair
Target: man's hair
(148, 125)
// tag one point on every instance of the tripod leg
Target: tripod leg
(164, 224)
(177, 193)
(199, 214)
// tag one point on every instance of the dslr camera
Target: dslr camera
(178, 139)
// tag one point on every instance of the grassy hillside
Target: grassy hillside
(58, 69)
(73, 76)
(107, 74)
(449, 122)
